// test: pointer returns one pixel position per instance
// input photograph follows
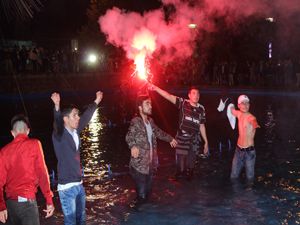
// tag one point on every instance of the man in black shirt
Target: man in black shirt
(191, 129)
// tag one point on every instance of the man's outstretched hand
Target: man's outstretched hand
(56, 100)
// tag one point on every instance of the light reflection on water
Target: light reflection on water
(93, 148)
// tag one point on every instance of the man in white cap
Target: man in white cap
(245, 154)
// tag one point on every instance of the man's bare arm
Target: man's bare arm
(163, 93)
(203, 135)
(253, 122)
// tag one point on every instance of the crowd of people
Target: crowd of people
(39, 60)
(262, 73)
(36, 60)
(24, 155)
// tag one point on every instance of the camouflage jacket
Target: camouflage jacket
(137, 136)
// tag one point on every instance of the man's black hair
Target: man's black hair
(19, 117)
(67, 110)
(193, 88)
(140, 99)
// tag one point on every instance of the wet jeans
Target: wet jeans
(243, 158)
(25, 213)
(143, 183)
(73, 205)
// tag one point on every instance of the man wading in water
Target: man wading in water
(191, 129)
(245, 154)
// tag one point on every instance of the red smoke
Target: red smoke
(173, 37)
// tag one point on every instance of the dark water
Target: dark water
(209, 198)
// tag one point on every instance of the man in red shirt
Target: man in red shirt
(22, 170)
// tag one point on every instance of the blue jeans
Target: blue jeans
(73, 205)
(243, 159)
(25, 213)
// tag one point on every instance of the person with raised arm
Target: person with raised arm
(65, 137)
(245, 153)
(191, 130)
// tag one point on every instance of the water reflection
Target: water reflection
(93, 148)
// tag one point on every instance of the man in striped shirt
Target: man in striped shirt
(191, 129)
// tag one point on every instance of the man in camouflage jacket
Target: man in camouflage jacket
(142, 141)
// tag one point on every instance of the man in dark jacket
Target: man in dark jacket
(66, 142)
(141, 139)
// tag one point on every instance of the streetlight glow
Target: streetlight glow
(92, 58)
(270, 19)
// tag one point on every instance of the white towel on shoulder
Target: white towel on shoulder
(230, 116)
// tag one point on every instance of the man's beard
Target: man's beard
(147, 113)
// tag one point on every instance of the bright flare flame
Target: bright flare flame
(144, 45)
(140, 63)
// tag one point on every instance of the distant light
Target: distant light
(270, 50)
(92, 58)
(192, 25)
(270, 19)
(74, 45)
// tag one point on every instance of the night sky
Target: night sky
(63, 18)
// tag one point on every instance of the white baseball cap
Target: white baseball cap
(243, 98)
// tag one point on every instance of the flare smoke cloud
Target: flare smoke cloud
(172, 35)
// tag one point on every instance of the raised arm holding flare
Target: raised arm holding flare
(191, 129)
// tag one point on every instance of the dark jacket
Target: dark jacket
(137, 136)
(68, 167)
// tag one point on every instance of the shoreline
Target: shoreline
(31, 84)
